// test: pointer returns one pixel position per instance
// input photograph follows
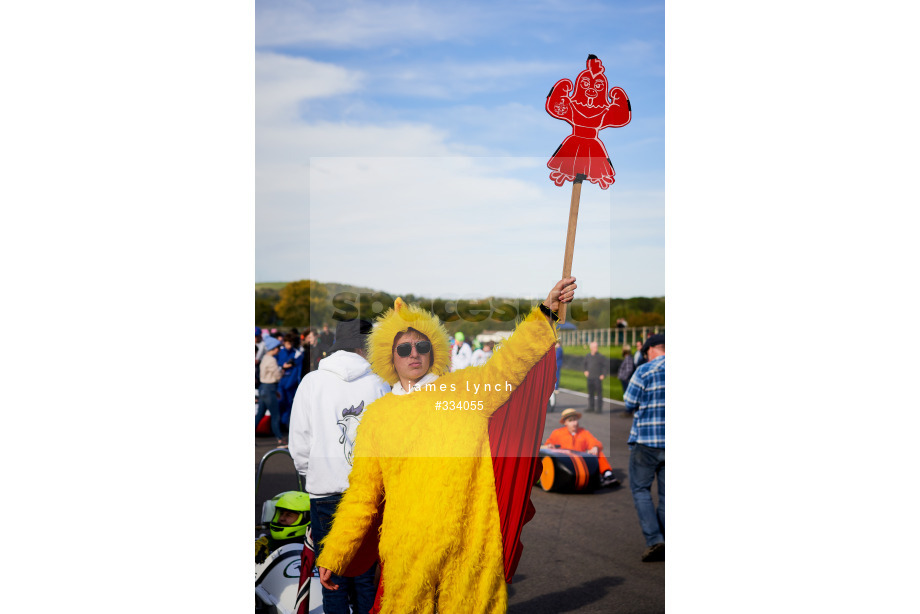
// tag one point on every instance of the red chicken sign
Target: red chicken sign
(589, 108)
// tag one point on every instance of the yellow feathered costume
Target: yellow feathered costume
(440, 541)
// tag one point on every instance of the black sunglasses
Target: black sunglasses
(404, 349)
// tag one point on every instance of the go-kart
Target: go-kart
(278, 588)
(567, 471)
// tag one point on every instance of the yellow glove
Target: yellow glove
(262, 549)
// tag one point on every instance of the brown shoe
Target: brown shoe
(654, 554)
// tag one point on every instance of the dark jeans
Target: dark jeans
(645, 464)
(268, 400)
(361, 589)
(287, 390)
(595, 389)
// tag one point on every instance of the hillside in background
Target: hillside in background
(332, 287)
(306, 303)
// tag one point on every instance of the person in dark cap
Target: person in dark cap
(645, 398)
(325, 415)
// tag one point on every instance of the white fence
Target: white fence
(608, 336)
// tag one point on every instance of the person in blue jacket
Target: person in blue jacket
(559, 354)
(290, 357)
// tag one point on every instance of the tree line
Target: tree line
(309, 303)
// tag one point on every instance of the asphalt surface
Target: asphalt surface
(582, 552)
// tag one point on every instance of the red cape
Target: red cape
(515, 432)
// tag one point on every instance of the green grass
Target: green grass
(610, 351)
(575, 380)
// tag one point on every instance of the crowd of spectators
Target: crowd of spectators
(282, 359)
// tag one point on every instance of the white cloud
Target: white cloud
(299, 141)
(285, 154)
(453, 226)
(282, 82)
(448, 225)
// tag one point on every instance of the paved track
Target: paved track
(581, 552)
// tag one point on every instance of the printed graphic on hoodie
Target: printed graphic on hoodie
(351, 417)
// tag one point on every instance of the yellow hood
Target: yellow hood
(398, 320)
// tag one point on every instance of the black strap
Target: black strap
(548, 312)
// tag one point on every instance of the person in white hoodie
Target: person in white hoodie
(461, 355)
(325, 414)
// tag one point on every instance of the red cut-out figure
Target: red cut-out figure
(582, 155)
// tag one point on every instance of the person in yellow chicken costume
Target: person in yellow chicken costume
(423, 453)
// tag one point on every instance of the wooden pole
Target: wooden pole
(570, 237)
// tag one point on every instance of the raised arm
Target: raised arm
(620, 111)
(514, 358)
(557, 101)
(562, 292)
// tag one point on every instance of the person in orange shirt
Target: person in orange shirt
(573, 437)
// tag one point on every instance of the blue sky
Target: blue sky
(376, 121)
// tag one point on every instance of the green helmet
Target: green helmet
(292, 501)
